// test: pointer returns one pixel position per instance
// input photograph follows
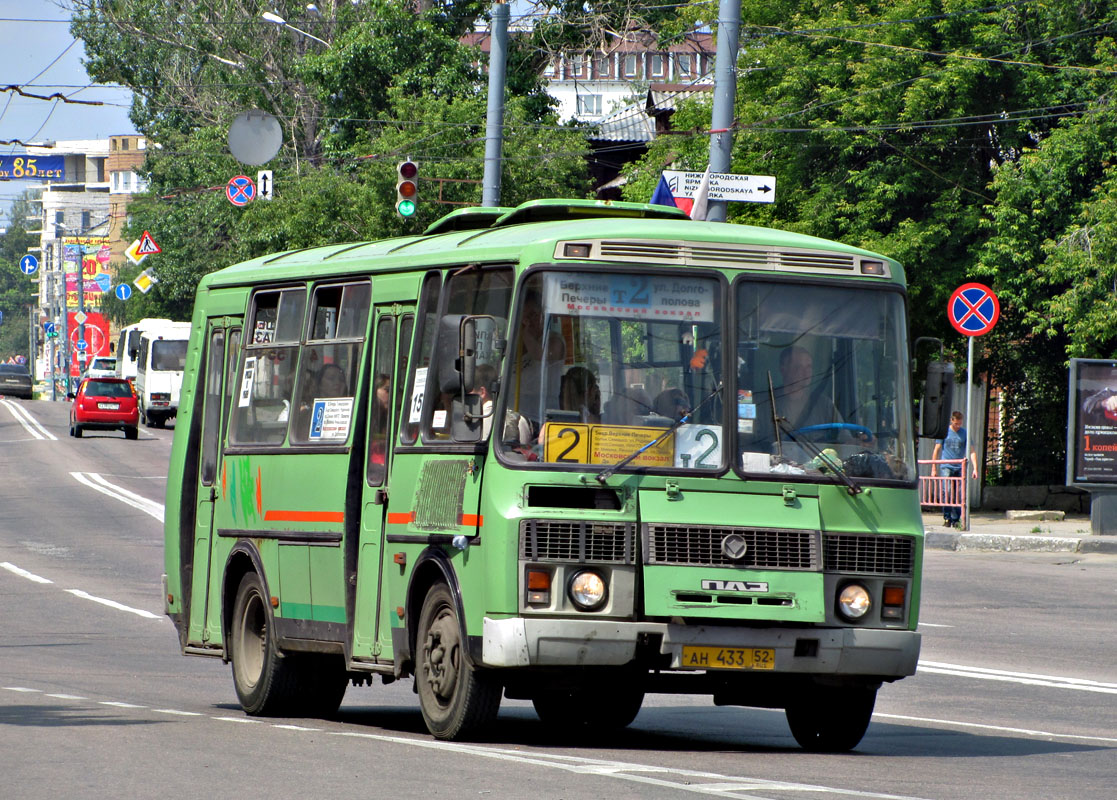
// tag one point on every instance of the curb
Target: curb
(1009, 543)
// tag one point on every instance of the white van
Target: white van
(128, 344)
(159, 364)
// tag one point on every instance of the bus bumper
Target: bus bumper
(520, 642)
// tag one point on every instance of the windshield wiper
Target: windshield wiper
(782, 424)
(606, 473)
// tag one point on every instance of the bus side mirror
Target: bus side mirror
(134, 353)
(467, 351)
(935, 419)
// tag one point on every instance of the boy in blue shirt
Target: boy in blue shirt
(952, 447)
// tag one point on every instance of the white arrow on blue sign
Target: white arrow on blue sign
(48, 327)
(81, 344)
(123, 291)
(28, 264)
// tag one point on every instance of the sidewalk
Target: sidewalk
(993, 530)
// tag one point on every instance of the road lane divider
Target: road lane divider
(1025, 678)
(139, 612)
(94, 481)
(29, 423)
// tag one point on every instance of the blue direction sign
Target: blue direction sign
(48, 327)
(81, 344)
(28, 264)
(241, 190)
(123, 291)
(973, 309)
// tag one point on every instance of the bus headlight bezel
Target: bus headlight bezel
(854, 602)
(588, 590)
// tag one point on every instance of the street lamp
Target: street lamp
(278, 20)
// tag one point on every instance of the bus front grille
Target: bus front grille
(701, 545)
(867, 554)
(577, 541)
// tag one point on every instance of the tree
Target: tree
(17, 292)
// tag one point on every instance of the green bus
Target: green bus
(570, 452)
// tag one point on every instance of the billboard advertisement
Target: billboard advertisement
(91, 255)
(1092, 423)
(23, 167)
(96, 341)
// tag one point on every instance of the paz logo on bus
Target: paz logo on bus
(973, 309)
(735, 586)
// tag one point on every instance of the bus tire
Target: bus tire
(265, 681)
(455, 697)
(831, 720)
(605, 708)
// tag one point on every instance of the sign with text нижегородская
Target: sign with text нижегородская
(726, 186)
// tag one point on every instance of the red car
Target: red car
(105, 404)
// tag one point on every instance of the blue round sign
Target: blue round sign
(123, 291)
(973, 309)
(241, 190)
(28, 264)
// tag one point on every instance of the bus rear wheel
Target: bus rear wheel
(265, 681)
(455, 697)
(832, 719)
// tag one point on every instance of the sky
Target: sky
(38, 54)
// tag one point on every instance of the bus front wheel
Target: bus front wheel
(265, 681)
(455, 697)
(831, 720)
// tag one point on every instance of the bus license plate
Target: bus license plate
(695, 657)
(108, 406)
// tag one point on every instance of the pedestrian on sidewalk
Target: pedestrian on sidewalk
(952, 447)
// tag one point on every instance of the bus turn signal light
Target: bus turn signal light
(538, 587)
(893, 606)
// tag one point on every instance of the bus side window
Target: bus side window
(381, 401)
(263, 386)
(322, 407)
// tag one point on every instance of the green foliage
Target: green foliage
(17, 292)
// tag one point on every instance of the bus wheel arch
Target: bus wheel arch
(243, 559)
(431, 568)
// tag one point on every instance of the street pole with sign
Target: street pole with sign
(973, 310)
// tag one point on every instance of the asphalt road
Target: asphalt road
(1016, 696)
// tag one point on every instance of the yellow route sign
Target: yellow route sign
(579, 443)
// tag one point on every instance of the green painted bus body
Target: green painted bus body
(346, 568)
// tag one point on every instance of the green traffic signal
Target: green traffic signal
(405, 208)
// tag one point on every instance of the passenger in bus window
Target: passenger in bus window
(332, 382)
(672, 403)
(579, 392)
(383, 389)
(486, 390)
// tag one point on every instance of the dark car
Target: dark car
(15, 380)
(105, 404)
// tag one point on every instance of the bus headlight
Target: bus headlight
(587, 590)
(854, 601)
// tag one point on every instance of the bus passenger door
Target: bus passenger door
(392, 328)
(222, 349)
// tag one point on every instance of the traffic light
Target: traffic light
(407, 188)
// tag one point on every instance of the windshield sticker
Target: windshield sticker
(245, 399)
(578, 443)
(329, 418)
(416, 413)
(698, 447)
(630, 296)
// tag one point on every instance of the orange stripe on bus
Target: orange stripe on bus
(473, 520)
(304, 516)
(400, 518)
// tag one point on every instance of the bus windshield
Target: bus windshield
(820, 370)
(604, 362)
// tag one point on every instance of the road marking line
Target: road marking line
(22, 689)
(29, 423)
(97, 483)
(1024, 678)
(295, 728)
(118, 704)
(176, 712)
(24, 573)
(999, 728)
(68, 696)
(930, 625)
(245, 720)
(625, 771)
(113, 604)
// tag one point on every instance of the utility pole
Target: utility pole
(725, 96)
(494, 126)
